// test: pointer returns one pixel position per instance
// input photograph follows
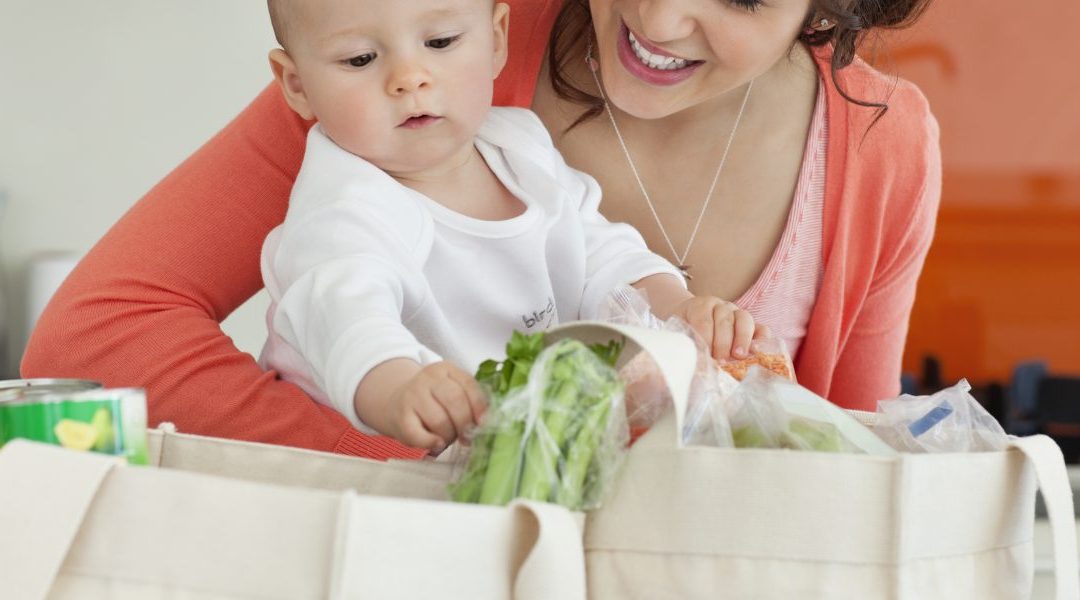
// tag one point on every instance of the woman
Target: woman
(733, 133)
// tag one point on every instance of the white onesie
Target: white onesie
(364, 269)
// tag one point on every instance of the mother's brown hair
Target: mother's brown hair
(852, 20)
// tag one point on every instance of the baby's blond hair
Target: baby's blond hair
(280, 14)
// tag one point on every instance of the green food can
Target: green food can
(109, 421)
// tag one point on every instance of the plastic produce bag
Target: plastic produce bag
(555, 430)
(951, 420)
(759, 419)
(647, 396)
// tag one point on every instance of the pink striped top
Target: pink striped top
(783, 295)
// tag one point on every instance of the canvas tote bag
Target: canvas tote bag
(717, 523)
(85, 526)
(229, 519)
(682, 523)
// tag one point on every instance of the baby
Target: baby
(425, 226)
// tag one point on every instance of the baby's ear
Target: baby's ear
(285, 73)
(501, 24)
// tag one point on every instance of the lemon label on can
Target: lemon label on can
(103, 428)
(75, 434)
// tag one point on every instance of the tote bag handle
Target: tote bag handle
(674, 354)
(1045, 456)
(37, 533)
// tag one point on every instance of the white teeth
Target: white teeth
(655, 61)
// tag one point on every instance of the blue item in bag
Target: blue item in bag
(927, 421)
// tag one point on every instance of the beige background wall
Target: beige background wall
(98, 101)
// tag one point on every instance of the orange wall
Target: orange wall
(1003, 78)
(1002, 282)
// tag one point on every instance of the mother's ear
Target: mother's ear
(285, 73)
(501, 25)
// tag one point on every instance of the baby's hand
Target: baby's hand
(435, 407)
(726, 328)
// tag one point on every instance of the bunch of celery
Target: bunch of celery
(548, 430)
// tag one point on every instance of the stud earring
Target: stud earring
(822, 25)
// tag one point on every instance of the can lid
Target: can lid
(82, 384)
(14, 389)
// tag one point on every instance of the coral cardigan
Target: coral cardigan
(143, 307)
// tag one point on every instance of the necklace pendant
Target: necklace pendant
(686, 272)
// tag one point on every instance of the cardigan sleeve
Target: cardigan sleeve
(143, 308)
(868, 367)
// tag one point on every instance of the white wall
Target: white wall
(98, 101)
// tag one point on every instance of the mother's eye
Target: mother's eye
(361, 61)
(747, 5)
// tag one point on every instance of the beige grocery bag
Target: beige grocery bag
(84, 526)
(681, 523)
(229, 519)
(717, 523)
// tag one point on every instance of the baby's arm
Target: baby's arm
(344, 272)
(726, 328)
(425, 407)
(616, 253)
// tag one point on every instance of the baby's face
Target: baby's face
(405, 84)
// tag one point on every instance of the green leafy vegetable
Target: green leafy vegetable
(542, 442)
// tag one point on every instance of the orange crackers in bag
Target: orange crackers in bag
(768, 353)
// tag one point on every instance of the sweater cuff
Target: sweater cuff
(377, 447)
(625, 271)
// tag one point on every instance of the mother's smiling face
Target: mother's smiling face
(659, 57)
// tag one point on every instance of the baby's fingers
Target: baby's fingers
(474, 394)
(723, 333)
(743, 334)
(415, 434)
(437, 421)
(699, 316)
(450, 395)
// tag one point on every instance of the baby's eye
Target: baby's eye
(442, 42)
(361, 61)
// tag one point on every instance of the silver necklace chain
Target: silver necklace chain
(685, 268)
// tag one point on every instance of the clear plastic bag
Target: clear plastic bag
(558, 435)
(759, 419)
(951, 420)
(647, 396)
